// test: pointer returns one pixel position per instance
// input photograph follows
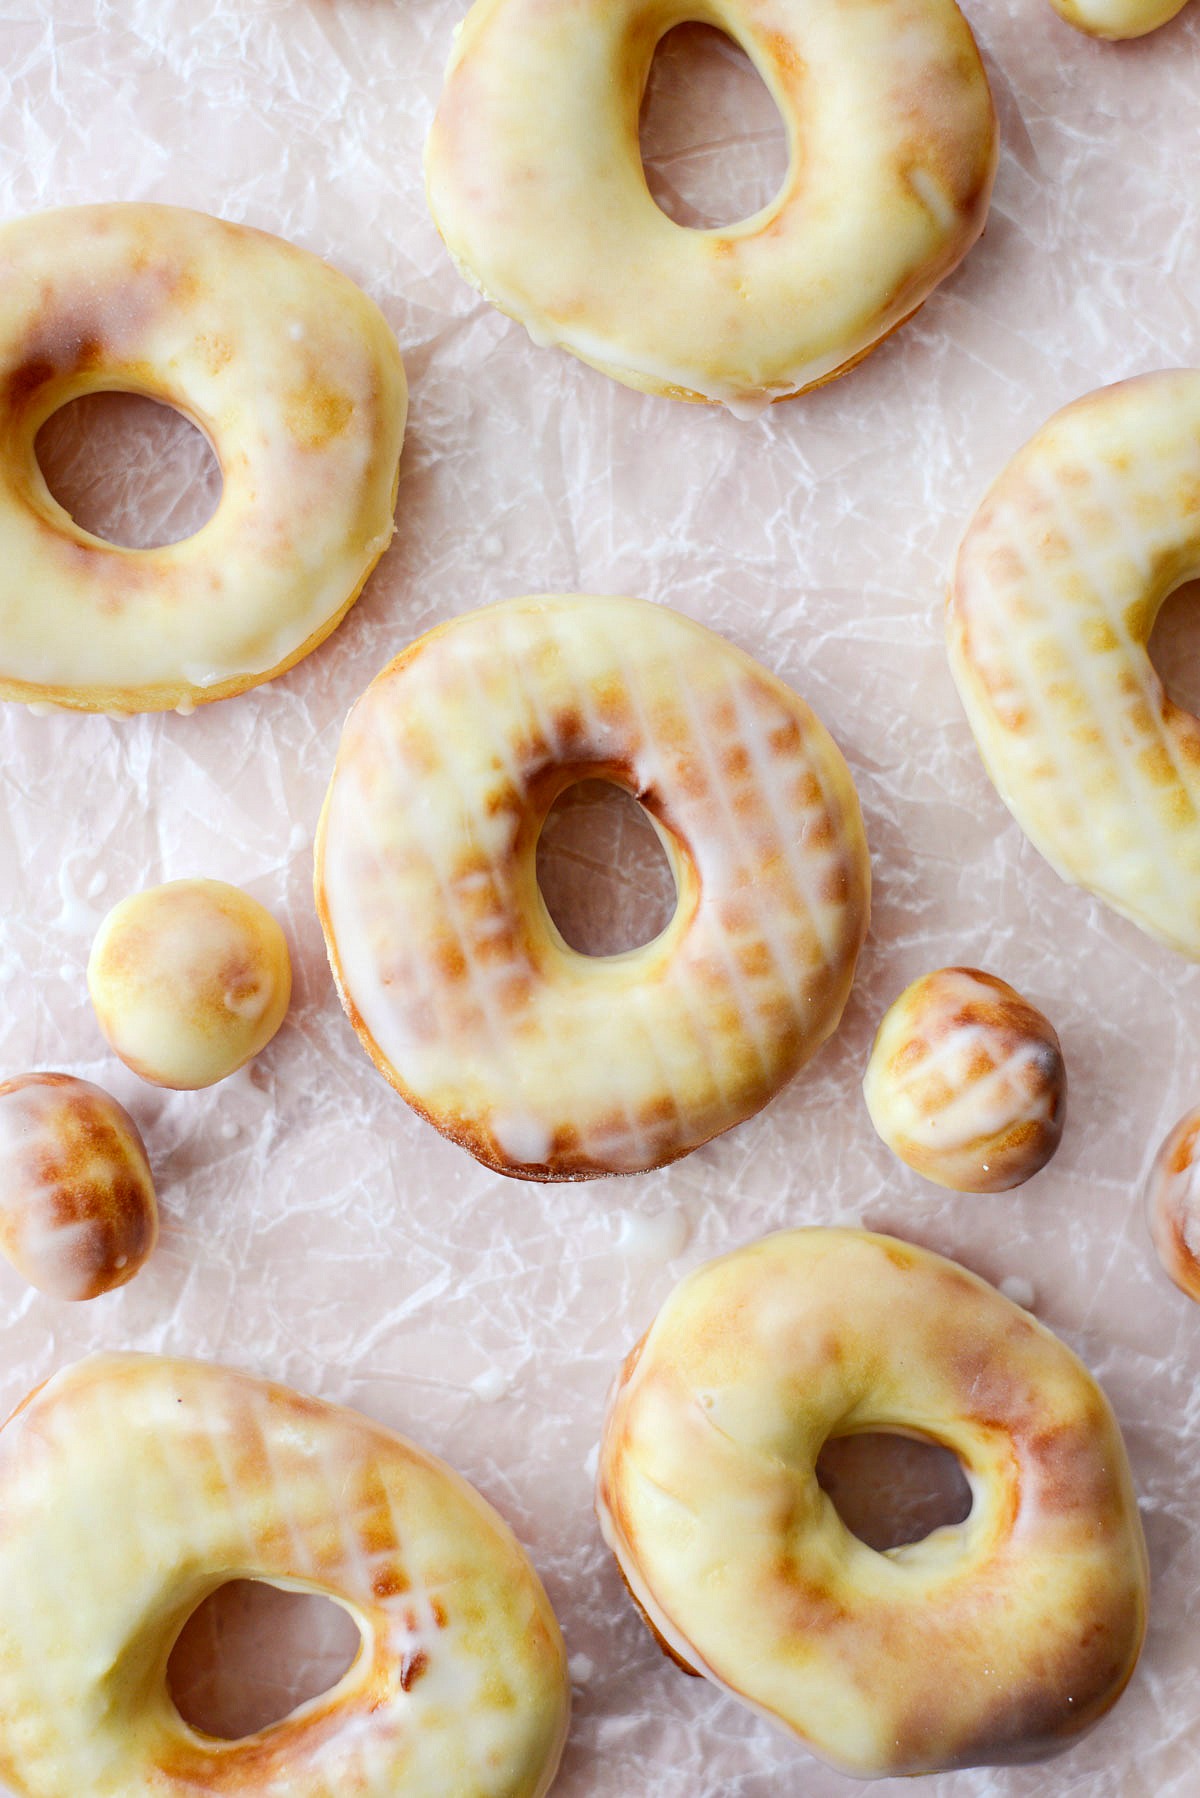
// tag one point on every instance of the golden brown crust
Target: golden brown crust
(189, 981)
(750, 313)
(1172, 1199)
(293, 376)
(78, 1215)
(1000, 1639)
(203, 1475)
(966, 1082)
(545, 1064)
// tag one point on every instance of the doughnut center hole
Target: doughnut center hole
(889, 1489)
(1174, 646)
(251, 1653)
(129, 469)
(714, 146)
(604, 874)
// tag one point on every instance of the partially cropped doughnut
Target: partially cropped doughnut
(1173, 1204)
(1117, 19)
(78, 1214)
(294, 376)
(1002, 1638)
(534, 175)
(543, 1062)
(1059, 580)
(966, 1082)
(189, 981)
(132, 1487)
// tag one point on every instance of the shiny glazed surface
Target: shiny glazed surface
(202, 1475)
(313, 1228)
(296, 380)
(541, 1061)
(1000, 1639)
(535, 178)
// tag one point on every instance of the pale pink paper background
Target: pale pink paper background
(313, 1228)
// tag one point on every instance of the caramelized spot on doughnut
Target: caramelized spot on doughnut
(28, 378)
(317, 413)
(451, 962)
(568, 725)
(217, 352)
(785, 56)
(1184, 1152)
(389, 1582)
(411, 1669)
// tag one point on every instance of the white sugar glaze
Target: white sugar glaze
(203, 1475)
(541, 1060)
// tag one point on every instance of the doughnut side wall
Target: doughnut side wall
(314, 1229)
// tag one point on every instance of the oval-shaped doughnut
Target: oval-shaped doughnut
(535, 180)
(966, 1082)
(1117, 19)
(999, 1639)
(1173, 1204)
(189, 981)
(295, 378)
(78, 1212)
(1059, 580)
(196, 1475)
(543, 1062)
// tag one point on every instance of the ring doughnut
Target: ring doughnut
(1059, 580)
(294, 376)
(1117, 19)
(535, 180)
(999, 1639)
(545, 1063)
(198, 1475)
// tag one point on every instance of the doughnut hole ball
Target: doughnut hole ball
(966, 1082)
(189, 981)
(78, 1214)
(1173, 1204)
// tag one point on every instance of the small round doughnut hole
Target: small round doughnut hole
(189, 981)
(1173, 1204)
(78, 1215)
(966, 1082)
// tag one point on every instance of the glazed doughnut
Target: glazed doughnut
(1173, 1204)
(966, 1082)
(999, 1639)
(78, 1213)
(189, 981)
(1059, 580)
(545, 1063)
(535, 180)
(1117, 19)
(132, 1487)
(295, 378)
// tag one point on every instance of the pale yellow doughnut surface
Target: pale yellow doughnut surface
(294, 376)
(535, 180)
(1173, 1204)
(999, 1639)
(78, 1214)
(966, 1082)
(132, 1487)
(1117, 18)
(189, 981)
(1059, 580)
(541, 1061)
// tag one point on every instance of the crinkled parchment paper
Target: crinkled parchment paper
(313, 1228)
